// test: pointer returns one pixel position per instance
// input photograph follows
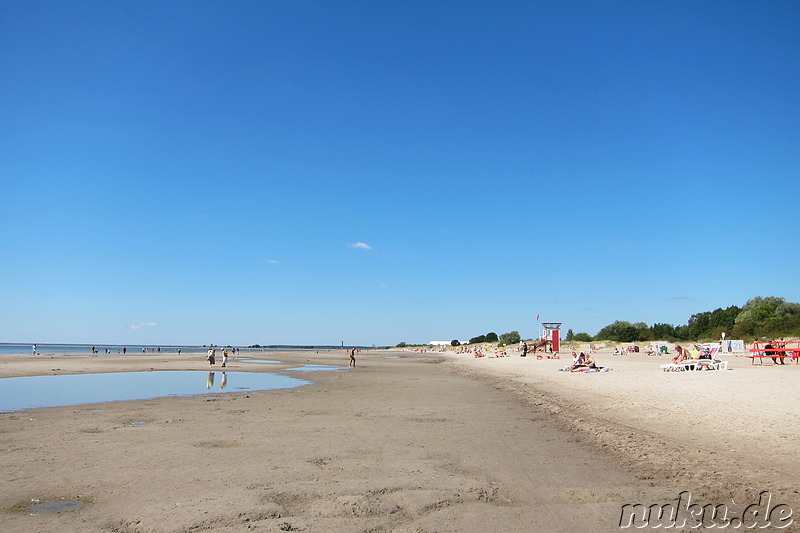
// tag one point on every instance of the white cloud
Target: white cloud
(362, 245)
(271, 261)
(141, 325)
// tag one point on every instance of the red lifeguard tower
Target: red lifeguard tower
(552, 334)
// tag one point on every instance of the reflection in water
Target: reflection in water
(210, 381)
(72, 389)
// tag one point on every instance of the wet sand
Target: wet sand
(722, 436)
(420, 443)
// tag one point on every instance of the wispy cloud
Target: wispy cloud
(383, 284)
(141, 325)
(362, 245)
(271, 261)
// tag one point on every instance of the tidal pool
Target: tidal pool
(54, 507)
(74, 389)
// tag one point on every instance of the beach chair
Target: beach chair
(719, 364)
(709, 363)
(689, 364)
(686, 364)
(713, 362)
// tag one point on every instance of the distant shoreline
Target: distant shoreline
(17, 348)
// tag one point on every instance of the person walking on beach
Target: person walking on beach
(211, 356)
(224, 356)
(34, 349)
(352, 357)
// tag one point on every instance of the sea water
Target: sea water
(86, 349)
(112, 349)
(73, 389)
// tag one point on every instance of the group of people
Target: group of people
(777, 351)
(212, 357)
(96, 350)
(697, 352)
(582, 362)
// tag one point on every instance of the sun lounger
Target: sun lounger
(689, 364)
(711, 363)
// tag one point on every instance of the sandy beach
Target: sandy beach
(404, 442)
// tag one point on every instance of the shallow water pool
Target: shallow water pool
(73, 389)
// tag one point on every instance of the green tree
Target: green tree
(624, 331)
(662, 332)
(699, 324)
(711, 324)
(401, 345)
(758, 316)
(512, 337)
(478, 339)
(582, 337)
(642, 331)
(614, 331)
(570, 335)
(455, 342)
(628, 333)
(788, 309)
(491, 337)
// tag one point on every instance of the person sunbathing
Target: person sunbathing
(583, 362)
(682, 355)
(685, 356)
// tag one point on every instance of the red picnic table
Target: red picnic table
(775, 350)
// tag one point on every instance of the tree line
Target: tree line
(769, 317)
(760, 317)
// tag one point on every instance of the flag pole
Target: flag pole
(540, 324)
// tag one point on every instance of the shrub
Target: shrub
(512, 337)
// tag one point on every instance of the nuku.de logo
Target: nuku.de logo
(685, 514)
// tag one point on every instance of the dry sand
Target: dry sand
(405, 442)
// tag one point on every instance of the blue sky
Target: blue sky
(298, 172)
